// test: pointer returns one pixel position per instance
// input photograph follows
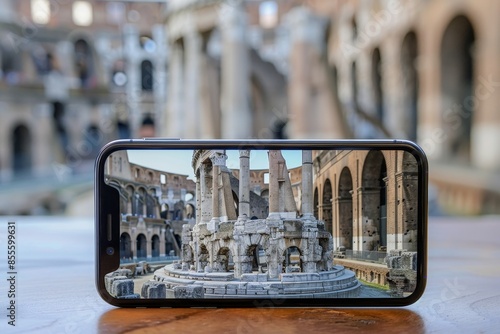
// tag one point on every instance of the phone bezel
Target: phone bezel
(106, 203)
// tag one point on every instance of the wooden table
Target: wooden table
(56, 293)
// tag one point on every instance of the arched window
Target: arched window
(345, 209)
(155, 246)
(147, 76)
(374, 199)
(141, 246)
(125, 246)
(409, 52)
(377, 85)
(83, 61)
(21, 149)
(457, 80)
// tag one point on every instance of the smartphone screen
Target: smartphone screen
(267, 223)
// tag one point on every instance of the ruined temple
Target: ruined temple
(234, 251)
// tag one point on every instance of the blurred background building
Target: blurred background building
(420, 70)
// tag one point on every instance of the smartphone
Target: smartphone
(261, 223)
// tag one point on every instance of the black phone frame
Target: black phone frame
(107, 203)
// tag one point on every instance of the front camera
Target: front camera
(110, 251)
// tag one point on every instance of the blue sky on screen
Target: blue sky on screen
(179, 161)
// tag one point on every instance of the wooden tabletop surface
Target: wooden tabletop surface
(55, 291)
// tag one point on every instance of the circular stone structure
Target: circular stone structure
(335, 283)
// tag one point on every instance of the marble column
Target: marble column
(198, 198)
(235, 111)
(307, 185)
(133, 75)
(274, 204)
(244, 193)
(193, 45)
(205, 194)
(218, 161)
(162, 242)
(175, 115)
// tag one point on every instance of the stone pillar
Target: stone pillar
(307, 185)
(198, 198)
(175, 114)
(162, 242)
(274, 205)
(160, 76)
(244, 195)
(149, 246)
(133, 75)
(133, 245)
(205, 194)
(218, 161)
(235, 111)
(193, 45)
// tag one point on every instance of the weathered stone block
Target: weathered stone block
(190, 291)
(153, 290)
(122, 287)
(108, 281)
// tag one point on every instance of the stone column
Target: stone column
(198, 198)
(244, 200)
(133, 75)
(160, 76)
(175, 115)
(218, 161)
(162, 242)
(307, 185)
(133, 245)
(205, 194)
(193, 45)
(235, 112)
(274, 205)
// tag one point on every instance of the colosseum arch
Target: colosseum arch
(125, 246)
(147, 79)
(327, 205)
(374, 201)
(457, 84)
(292, 259)
(409, 53)
(21, 149)
(84, 62)
(344, 201)
(141, 244)
(377, 84)
(155, 246)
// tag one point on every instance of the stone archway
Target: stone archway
(374, 201)
(141, 246)
(223, 260)
(327, 205)
(125, 246)
(457, 86)
(155, 246)
(21, 150)
(378, 93)
(292, 260)
(409, 53)
(345, 217)
(203, 257)
(147, 76)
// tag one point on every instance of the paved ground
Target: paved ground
(366, 291)
(370, 292)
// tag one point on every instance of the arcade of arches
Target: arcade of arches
(369, 199)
